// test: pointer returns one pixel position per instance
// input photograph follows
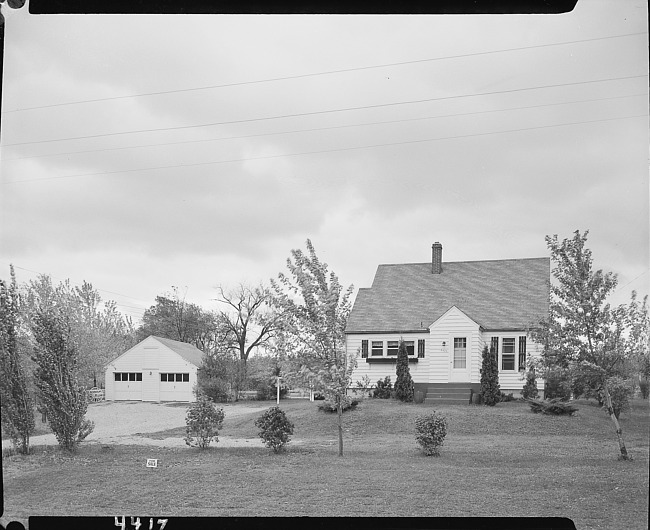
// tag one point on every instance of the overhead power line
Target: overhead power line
(315, 129)
(324, 151)
(327, 72)
(329, 111)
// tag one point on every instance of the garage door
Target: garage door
(128, 386)
(175, 387)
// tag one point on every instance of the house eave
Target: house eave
(383, 331)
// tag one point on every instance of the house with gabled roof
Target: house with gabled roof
(446, 312)
(155, 369)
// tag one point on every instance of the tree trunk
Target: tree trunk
(619, 431)
(339, 411)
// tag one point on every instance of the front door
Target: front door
(459, 360)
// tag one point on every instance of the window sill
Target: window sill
(387, 360)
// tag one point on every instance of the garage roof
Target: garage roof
(189, 352)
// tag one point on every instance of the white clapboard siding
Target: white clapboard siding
(510, 380)
(375, 371)
(454, 323)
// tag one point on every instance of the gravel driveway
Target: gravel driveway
(118, 422)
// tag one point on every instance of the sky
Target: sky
(144, 152)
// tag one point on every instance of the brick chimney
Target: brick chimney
(436, 259)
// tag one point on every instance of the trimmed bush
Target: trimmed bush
(490, 391)
(430, 432)
(404, 381)
(275, 429)
(503, 397)
(203, 422)
(551, 407)
(383, 388)
(347, 404)
(530, 387)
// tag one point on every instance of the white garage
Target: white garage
(155, 369)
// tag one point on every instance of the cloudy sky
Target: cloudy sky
(144, 152)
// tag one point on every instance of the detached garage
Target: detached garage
(156, 369)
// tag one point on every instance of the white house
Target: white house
(155, 369)
(446, 313)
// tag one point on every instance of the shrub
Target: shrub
(506, 397)
(620, 391)
(404, 381)
(218, 390)
(275, 429)
(490, 391)
(552, 407)
(203, 422)
(430, 432)
(347, 404)
(644, 387)
(383, 389)
(557, 385)
(530, 387)
(364, 386)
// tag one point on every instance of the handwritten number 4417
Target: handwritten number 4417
(136, 524)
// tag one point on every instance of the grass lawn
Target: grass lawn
(498, 461)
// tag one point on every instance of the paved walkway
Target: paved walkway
(118, 422)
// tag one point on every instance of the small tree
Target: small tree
(275, 429)
(60, 396)
(16, 401)
(530, 387)
(490, 390)
(203, 422)
(404, 382)
(430, 432)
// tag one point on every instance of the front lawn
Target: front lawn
(497, 461)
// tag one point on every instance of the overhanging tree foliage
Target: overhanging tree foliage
(404, 382)
(17, 403)
(584, 333)
(316, 309)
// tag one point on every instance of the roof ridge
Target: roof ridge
(428, 263)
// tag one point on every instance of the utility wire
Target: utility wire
(321, 128)
(313, 113)
(324, 151)
(328, 72)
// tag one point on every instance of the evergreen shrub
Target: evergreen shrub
(490, 391)
(203, 422)
(347, 403)
(404, 381)
(383, 388)
(430, 432)
(551, 407)
(275, 428)
(503, 397)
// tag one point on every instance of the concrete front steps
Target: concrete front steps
(448, 394)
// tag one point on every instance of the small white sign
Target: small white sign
(152, 462)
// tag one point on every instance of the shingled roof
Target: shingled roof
(508, 294)
(189, 352)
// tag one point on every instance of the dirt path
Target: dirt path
(118, 422)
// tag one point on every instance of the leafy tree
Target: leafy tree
(250, 321)
(58, 390)
(404, 382)
(99, 332)
(583, 332)
(430, 432)
(171, 317)
(638, 343)
(490, 390)
(315, 308)
(16, 400)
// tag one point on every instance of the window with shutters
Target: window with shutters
(522, 354)
(377, 348)
(508, 353)
(410, 347)
(392, 347)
